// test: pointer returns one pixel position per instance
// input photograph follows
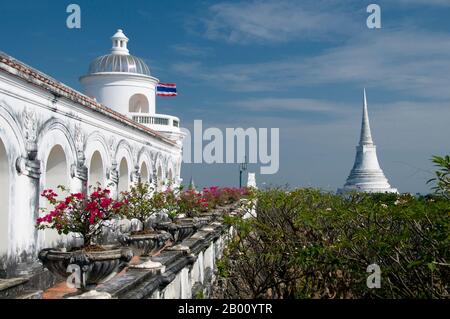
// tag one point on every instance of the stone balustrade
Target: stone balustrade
(181, 270)
(186, 270)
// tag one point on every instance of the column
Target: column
(25, 200)
(112, 182)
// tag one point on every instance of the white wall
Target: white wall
(194, 275)
(115, 91)
(93, 145)
(4, 200)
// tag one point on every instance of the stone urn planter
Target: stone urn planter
(179, 229)
(229, 207)
(84, 215)
(145, 244)
(203, 220)
(93, 267)
(213, 215)
(185, 230)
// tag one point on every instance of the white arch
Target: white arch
(170, 173)
(96, 170)
(97, 143)
(145, 158)
(11, 131)
(124, 176)
(56, 174)
(54, 134)
(144, 173)
(123, 152)
(4, 199)
(160, 172)
(138, 104)
(17, 214)
(57, 171)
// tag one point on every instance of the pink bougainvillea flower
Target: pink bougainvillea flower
(105, 202)
(75, 212)
(117, 205)
(78, 196)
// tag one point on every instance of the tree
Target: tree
(442, 178)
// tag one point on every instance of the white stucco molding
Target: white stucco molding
(144, 156)
(30, 125)
(124, 150)
(55, 132)
(13, 141)
(11, 134)
(79, 138)
(97, 142)
(36, 114)
(19, 70)
(52, 133)
(159, 164)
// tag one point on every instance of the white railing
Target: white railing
(159, 122)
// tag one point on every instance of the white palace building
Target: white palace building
(52, 135)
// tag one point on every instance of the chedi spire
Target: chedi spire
(366, 174)
(366, 135)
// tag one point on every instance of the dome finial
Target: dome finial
(119, 43)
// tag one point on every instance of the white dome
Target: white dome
(121, 81)
(119, 63)
(120, 60)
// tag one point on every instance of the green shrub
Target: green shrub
(442, 178)
(309, 244)
(142, 202)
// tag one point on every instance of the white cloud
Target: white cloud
(407, 134)
(426, 2)
(276, 21)
(403, 60)
(286, 104)
(413, 64)
(191, 50)
(417, 63)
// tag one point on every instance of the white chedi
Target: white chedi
(366, 174)
(251, 181)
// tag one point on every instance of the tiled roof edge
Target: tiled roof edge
(38, 78)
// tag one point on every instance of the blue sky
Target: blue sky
(297, 65)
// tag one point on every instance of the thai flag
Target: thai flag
(166, 89)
